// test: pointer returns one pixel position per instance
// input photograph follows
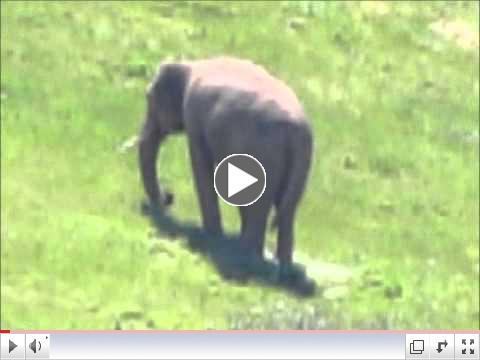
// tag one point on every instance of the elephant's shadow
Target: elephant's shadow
(225, 253)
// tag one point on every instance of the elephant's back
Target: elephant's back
(227, 76)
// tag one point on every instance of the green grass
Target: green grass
(393, 193)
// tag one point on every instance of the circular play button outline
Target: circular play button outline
(241, 171)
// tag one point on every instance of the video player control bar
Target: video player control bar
(359, 345)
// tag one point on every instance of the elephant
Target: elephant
(225, 106)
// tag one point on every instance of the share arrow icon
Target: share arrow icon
(441, 346)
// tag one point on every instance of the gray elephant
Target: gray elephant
(226, 106)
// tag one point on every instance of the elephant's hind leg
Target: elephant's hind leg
(298, 166)
(285, 236)
(254, 223)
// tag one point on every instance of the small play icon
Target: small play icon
(11, 346)
(240, 179)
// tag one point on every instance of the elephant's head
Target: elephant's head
(164, 116)
(165, 97)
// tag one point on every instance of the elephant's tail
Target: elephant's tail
(300, 148)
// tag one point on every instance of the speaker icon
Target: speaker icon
(35, 346)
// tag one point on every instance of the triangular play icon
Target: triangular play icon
(11, 346)
(238, 179)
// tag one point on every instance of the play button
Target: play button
(240, 179)
(11, 346)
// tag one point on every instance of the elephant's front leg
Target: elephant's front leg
(203, 170)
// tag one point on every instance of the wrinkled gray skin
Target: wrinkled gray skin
(228, 106)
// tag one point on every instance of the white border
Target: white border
(215, 175)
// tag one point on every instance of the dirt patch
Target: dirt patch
(457, 31)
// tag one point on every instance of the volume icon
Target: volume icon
(35, 346)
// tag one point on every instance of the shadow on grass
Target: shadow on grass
(226, 254)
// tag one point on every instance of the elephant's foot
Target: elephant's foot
(295, 277)
(155, 209)
(291, 272)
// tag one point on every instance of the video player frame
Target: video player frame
(239, 180)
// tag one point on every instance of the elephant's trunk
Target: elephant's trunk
(148, 150)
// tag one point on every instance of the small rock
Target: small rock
(297, 24)
(349, 162)
(428, 84)
(137, 70)
(387, 67)
(131, 315)
(372, 280)
(393, 292)
(386, 206)
(151, 324)
(93, 308)
(441, 210)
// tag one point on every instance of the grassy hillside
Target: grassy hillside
(390, 217)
